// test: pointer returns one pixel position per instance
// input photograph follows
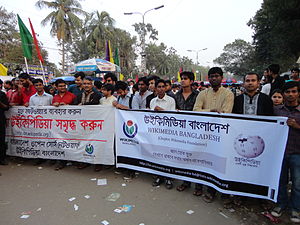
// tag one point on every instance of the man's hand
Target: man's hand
(215, 110)
(293, 123)
(62, 103)
(115, 103)
(56, 104)
(157, 108)
(26, 104)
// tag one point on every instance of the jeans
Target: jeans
(290, 164)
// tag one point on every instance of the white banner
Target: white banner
(76, 133)
(235, 154)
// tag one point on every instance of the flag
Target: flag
(36, 43)
(121, 76)
(26, 39)
(3, 70)
(178, 74)
(116, 57)
(108, 55)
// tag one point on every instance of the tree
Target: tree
(237, 57)
(276, 36)
(63, 20)
(101, 29)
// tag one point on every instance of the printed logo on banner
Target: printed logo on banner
(89, 149)
(249, 147)
(130, 128)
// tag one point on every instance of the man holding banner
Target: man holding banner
(3, 107)
(214, 99)
(291, 160)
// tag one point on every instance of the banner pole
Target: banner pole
(26, 65)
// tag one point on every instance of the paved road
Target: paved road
(44, 194)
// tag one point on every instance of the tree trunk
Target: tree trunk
(63, 57)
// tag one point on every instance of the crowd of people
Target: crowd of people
(277, 96)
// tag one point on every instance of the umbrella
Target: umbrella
(96, 65)
(65, 78)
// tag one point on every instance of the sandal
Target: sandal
(198, 192)
(183, 186)
(208, 198)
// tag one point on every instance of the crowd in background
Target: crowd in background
(275, 95)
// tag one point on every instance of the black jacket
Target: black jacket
(264, 105)
(187, 104)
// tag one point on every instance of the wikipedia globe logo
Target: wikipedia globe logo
(130, 128)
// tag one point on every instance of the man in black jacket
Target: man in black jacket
(277, 81)
(253, 102)
(88, 96)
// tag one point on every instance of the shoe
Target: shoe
(183, 186)
(81, 166)
(295, 217)
(60, 166)
(98, 167)
(277, 211)
(39, 162)
(169, 184)
(198, 192)
(157, 182)
(208, 198)
(3, 162)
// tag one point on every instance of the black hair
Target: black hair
(214, 70)
(252, 73)
(1, 82)
(274, 68)
(109, 87)
(38, 80)
(145, 80)
(153, 77)
(168, 82)
(291, 84)
(121, 85)
(79, 74)
(98, 84)
(24, 76)
(111, 75)
(160, 81)
(59, 81)
(295, 69)
(88, 78)
(276, 91)
(189, 74)
(8, 82)
(195, 84)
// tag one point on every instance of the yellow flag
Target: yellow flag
(178, 77)
(121, 76)
(111, 58)
(3, 70)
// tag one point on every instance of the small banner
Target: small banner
(235, 154)
(76, 133)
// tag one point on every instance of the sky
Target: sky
(183, 25)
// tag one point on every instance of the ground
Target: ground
(45, 196)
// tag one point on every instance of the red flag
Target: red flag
(36, 43)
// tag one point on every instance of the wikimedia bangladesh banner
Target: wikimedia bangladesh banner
(235, 154)
(76, 133)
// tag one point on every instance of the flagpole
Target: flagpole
(26, 65)
(44, 78)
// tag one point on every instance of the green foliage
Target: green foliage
(11, 53)
(237, 57)
(276, 32)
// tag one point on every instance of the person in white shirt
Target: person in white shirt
(139, 98)
(162, 101)
(107, 91)
(40, 98)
